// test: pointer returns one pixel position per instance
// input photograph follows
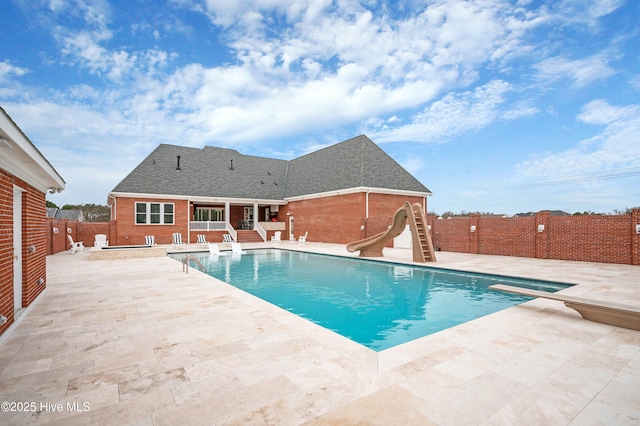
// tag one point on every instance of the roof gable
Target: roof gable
(357, 162)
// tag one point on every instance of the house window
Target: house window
(154, 213)
(204, 213)
(248, 213)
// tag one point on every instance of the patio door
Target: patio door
(17, 248)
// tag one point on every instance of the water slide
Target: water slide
(422, 246)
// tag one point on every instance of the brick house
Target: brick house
(25, 178)
(338, 194)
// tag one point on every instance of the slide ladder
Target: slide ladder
(422, 246)
(421, 241)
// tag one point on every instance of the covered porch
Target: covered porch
(244, 219)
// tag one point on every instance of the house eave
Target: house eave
(20, 157)
(359, 189)
(198, 199)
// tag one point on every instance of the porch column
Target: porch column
(255, 215)
(227, 212)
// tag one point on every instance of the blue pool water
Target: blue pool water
(377, 304)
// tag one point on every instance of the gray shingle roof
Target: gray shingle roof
(206, 172)
(357, 162)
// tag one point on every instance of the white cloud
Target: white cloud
(601, 112)
(582, 71)
(585, 12)
(612, 151)
(8, 70)
(455, 114)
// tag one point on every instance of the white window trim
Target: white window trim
(148, 213)
(219, 210)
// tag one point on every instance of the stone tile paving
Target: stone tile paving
(137, 341)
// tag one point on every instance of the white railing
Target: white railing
(204, 225)
(231, 230)
(261, 231)
(208, 225)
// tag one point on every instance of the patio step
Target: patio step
(249, 237)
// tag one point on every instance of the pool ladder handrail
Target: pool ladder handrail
(185, 264)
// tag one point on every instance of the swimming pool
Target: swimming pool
(377, 304)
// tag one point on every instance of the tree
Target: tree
(51, 205)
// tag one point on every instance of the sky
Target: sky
(494, 105)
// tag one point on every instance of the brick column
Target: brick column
(473, 236)
(542, 238)
(635, 237)
(113, 233)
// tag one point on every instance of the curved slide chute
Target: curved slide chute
(422, 246)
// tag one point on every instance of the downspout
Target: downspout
(366, 214)
(188, 219)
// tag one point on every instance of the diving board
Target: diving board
(611, 313)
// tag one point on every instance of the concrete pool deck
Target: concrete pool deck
(138, 341)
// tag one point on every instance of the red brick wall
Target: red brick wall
(451, 234)
(80, 231)
(34, 236)
(598, 238)
(507, 236)
(128, 233)
(338, 219)
(6, 247)
(591, 238)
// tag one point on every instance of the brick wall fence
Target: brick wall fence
(598, 238)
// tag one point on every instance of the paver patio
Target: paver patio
(137, 341)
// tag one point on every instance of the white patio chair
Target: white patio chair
(77, 246)
(214, 250)
(276, 237)
(236, 249)
(100, 241)
(303, 238)
(177, 241)
(150, 240)
(202, 241)
(226, 238)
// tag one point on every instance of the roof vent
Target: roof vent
(178, 166)
(231, 168)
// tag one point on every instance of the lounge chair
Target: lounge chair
(610, 313)
(150, 240)
(100, 241)
(236, 248)
(276, 237)
(77, 246)
(177, 241)
(226, 238)
(202, 241)
(214, 250)
(303, 238)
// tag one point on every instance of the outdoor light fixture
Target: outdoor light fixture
(473, 228)
(540, 228)
(638, 228)
(289, 213)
